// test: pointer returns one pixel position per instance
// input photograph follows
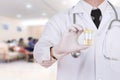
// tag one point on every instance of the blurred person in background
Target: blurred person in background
(30, 48)
(21, 43)
(30, 44)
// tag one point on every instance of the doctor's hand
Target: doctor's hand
(69, 43)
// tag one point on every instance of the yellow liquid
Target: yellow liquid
(88, 42)
(88, 37)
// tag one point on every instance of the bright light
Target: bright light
(34, 22)
(28, 6)
(64, 3)
(19, 15)
(44, 14)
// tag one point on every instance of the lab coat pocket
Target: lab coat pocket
(111, 45)
(115, 66)
(112, 48)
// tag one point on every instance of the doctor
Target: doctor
(61, 38)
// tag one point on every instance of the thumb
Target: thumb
(79, 29)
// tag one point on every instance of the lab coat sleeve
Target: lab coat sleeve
(49, 38)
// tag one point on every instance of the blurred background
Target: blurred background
(21, 25)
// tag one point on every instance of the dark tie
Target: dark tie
(96, 16)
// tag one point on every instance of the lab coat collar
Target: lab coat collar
(107, 17)
(86, 6)
(83, 6)
(103, 6)
(80, 9)
(77, 8)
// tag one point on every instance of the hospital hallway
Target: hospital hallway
(22, 23)
(22, 70)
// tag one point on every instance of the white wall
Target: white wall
(35, 31)
(12, 32)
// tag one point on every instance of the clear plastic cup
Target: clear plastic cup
(88, 40)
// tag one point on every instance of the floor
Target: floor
(22, 70)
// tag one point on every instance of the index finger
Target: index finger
(78, 28)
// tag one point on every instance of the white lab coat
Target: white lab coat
(91, 65)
